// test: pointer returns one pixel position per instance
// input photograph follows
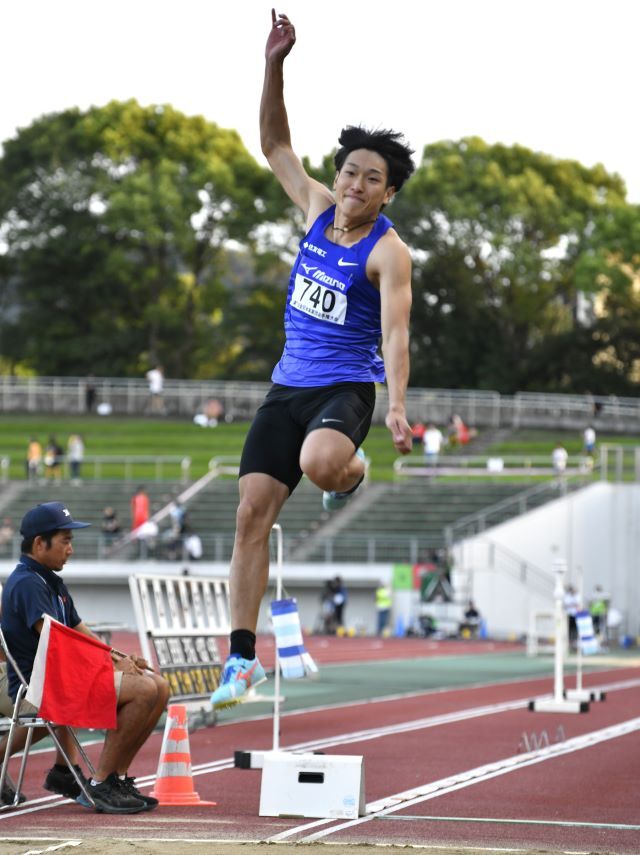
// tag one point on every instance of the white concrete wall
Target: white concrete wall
(101, 591)
(597, 532)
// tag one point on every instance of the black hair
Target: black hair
(27, 542)
(388, 144)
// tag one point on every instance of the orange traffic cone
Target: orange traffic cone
(174, 782)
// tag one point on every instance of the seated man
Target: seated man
(471, 623)
(33, 589)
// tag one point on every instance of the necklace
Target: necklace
(351, 228)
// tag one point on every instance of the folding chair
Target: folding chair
(30, 721)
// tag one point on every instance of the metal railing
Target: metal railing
(512, 506)
(225, 465)
(218, 546)
(488, 466)
(495, 557)
(98, 467)
(239, 400)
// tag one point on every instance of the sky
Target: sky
(558, 76)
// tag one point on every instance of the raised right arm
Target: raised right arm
(309, 195)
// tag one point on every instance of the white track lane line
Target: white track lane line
(65, 845)
(49, 802)
(435, 789)
(314, 745)
(615, 826)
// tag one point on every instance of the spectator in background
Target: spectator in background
(6, 534)
(139, 508)
(383, 607)
(432, 441)
(571, 607)
(89, 394)
(471, 624)
(178, 514)
(34, 459)
(452, 431)
(53, 457)
(458, 433)
(559, 458)
(328, 609)
(75, 456)
(110, 526)
(192, 545)
(417, 433)
(155, 378)
(211, 413)
(589, 441)
(147, 537)
(598, 607)
(596, 406)
(339, 599)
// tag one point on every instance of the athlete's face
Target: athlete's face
(361, 185)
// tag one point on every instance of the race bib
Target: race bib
(322, 300)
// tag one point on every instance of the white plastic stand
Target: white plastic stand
(276, 680)
(322, 786)
(312, 785)
(255, 759)
(559, 703)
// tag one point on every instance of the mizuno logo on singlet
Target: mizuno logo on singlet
(342, 263)
(307, 268)
(328, 280)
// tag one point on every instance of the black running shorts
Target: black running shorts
(289, 413)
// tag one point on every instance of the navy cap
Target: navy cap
(48, 517)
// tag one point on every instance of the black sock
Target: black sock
(243, 642)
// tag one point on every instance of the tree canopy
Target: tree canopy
(131, 235)
(509, 247)
(116, 222)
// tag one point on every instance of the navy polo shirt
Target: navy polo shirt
(31, 591)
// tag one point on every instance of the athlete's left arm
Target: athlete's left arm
(393, 263)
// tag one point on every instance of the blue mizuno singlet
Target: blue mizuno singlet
(332, 317)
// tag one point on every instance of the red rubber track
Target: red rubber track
(332, 650)
(598, 784)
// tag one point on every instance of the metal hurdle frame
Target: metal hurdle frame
(182, 617)
(559, 703)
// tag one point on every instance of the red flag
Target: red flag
(72, 678)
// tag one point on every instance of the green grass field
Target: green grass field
(124, 437)
(155, 437)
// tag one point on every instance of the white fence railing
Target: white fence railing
(482, 408)
(488, 466)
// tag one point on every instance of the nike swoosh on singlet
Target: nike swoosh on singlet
(331, 420)
(342, 263)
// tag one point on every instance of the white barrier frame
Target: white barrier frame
(181, 607)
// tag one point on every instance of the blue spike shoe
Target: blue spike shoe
(238, 677)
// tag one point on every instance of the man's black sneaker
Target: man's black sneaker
(110, 797)
(9, 794)
(128, 785)
(62, 782)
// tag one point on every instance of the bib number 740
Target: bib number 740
(318, 300)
